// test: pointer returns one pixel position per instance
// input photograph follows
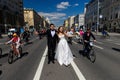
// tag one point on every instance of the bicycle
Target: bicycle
(90, 53)
(12, 53)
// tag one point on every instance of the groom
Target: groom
(52, 39)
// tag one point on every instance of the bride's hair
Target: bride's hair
(59, 30)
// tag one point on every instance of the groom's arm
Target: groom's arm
(57, 38)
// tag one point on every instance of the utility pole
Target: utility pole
(97, 16)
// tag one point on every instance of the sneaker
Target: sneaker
(18, 55)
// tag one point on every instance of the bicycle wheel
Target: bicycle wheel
(10, 57)
(20, 50)
(0, 52)
(92, 56)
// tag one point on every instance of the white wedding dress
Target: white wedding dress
(63, 52)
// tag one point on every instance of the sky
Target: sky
(56, 10)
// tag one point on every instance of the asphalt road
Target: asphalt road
(33, 64)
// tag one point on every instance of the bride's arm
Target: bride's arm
(68, 35)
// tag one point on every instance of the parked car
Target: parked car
(11, 31)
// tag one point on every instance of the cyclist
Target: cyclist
(15, 40)
(81, 32)
(86, 38)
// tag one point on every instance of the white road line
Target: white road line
(109, 40)
(98, 47)
(94, 45)
(77, 71)
(117, 43)
(74, 42)
(99, 42)
(40, 67)
(113, 42)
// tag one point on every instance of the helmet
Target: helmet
(14, 34)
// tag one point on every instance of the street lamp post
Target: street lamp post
(101, 24)
(97, 16)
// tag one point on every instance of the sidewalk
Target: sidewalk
(111, 34)
(4, 35)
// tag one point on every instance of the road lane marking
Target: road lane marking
(113, 42)
(99, 42)
(40, 67)
(117, 43)
(74, 42)
(94, 45)
(109, 40)
(98, 47)
(77, 71)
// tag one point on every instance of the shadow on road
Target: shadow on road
(0, 72)
(5, 55)
(24, 54)
(81, 52)
(28, 43)
(80, 42)
(116, 49)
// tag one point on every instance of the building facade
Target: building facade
(66, 24)
(79, 21)
(110, 11)
(104, 13)
(71, 21)
(11, 14)
(32, 19)
(91, 14)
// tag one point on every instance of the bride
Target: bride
(63, 52)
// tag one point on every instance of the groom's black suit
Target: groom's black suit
(51, 42)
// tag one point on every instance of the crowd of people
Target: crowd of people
(58, 48)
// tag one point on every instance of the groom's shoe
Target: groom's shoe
(48, 62)
(53, 62)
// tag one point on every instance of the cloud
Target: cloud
(76, 4)
(63, 5)
(54, 17)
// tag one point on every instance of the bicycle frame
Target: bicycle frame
(90, 46)
(13, 48)
(90, 52)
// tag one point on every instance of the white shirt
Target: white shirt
(70, 33)
(53, 33)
